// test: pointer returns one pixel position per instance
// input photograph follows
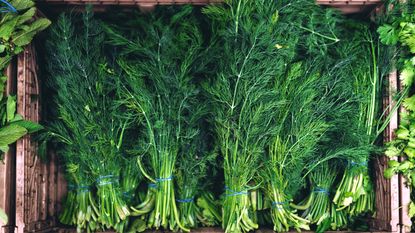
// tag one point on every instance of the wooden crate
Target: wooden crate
(347, 7)
(39, 187)
(351, 6)
(33, 188)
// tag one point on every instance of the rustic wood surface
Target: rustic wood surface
(40, 187)
(36, 180)
(347, 7)
(7, 166)
(405, 192)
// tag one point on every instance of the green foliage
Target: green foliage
(3, 217)
(161, 61)
(401, 23)
(88, 126)
(18, 30)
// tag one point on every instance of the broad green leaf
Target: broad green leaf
(388, 35)
(7, 29)
(402, 133)
(407, 76)
(411, 210)
(4, 62)
(409, 103)
(3, 80)
(388, 173)
(2, 48)
(22, 4)
(410, 42)
(392, 151)
(25, 37)
(17, 117)
(411, 142)
(405, 165)
(4, 149)
(10, 134)
(28, 15)
(30, 126)
(6, 18)
(393, 163)
(410, 152)
(11, 108)
(3, 217)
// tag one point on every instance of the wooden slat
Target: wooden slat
(7, 166)
(347, 7)
(33, 189)
(21, 149)
(405, 194)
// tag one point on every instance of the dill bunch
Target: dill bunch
(87, 123)
(160, 66)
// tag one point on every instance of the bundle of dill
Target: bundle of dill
(160, 64)
(87, 125)
(260, 97)
(371, 63)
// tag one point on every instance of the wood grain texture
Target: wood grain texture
(347, 7)
(36, 180)
(7, 166)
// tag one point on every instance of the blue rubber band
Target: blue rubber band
(321, 190)
(362, 164)
(107, 177)
(83, 188)
(278, 204)
(128, 194)
(234, 193)
(164, 179)
(188, 200)
(152, 185)
(9, 7)
(71, 187)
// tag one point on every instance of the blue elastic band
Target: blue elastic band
(185, 200)
(152, 185)
(362, 164)
(71, 187)
(128, 194)
(164, 179)
(83, 188)
(321, 190)
(234, 193)
(278, 204)
(9, 7)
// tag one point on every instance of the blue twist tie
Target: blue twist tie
(152, 185)
(71, 187)
(234, 193)
(128, 194)
(278, 204)
(8, 8)
(185, 200)
(83, 188)
(362, 164)
(164, 179)
(321, 190)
